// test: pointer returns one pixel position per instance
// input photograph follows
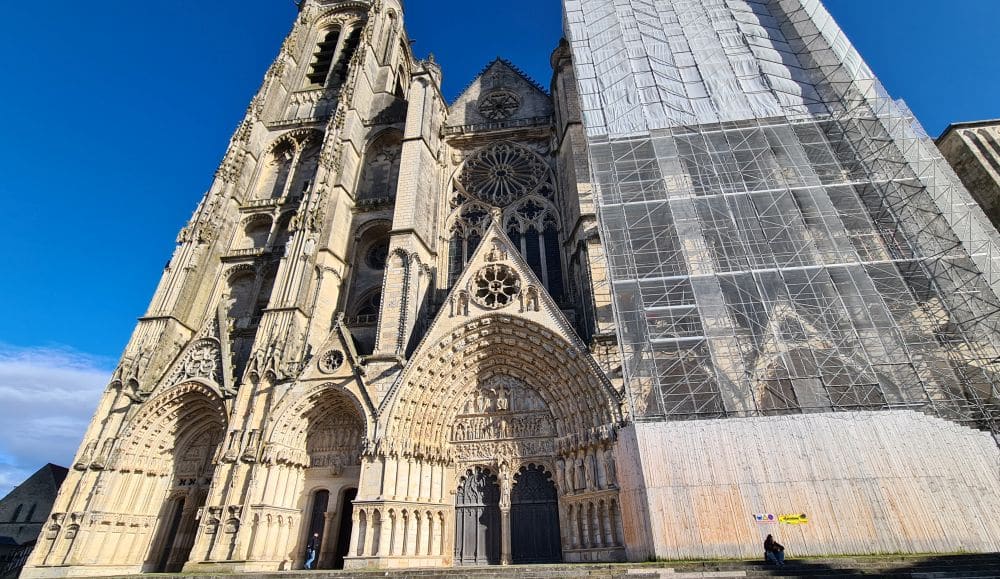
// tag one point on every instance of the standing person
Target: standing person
(311, 550)
(774, 552)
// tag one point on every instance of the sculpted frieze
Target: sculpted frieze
(474, 428)
(511, 449)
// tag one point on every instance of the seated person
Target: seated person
(774, 552)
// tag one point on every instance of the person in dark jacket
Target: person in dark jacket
(774, 552)
(311, 551)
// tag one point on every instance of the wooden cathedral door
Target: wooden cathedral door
(477, 518)
(534, 517)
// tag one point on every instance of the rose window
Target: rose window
(499, 105)
(496, 286)
(502, 173)
(330, 361)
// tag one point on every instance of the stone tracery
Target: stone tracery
(502, 173)
(499, 105)
(496, 286)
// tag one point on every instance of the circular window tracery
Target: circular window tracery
(499, 105)
(496, 286)
(377, 255)
(331, 361)
(502, 173)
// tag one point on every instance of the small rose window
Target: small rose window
(496, 286)
(499, 105)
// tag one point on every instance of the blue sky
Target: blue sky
(116, 114)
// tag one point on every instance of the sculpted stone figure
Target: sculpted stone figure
(591, 471)
(610, 468)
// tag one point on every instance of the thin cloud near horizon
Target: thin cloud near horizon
(49, 395)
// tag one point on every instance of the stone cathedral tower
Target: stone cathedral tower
(383, 300)
(395, 332)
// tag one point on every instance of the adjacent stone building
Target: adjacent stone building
(973, 149)
(26, 508)
(23, 512)
(396, 333)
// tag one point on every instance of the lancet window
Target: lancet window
(275, 174)
(467, 229)
(339, 72)
(366, 309)
(392, 30)
(516, 180)
(381, 171)
(332, 56)
(532, 226)
(305, 172)
(289, 169)
(256, 231)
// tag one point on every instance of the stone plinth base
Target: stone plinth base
(395, 562)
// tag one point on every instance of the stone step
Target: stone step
(890, 567)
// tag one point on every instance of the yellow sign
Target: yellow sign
(794, 519)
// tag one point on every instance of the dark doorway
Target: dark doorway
(178, 533)
(317, 520)
(477, 519)
(345, 528)
(164, 565)
(534, 517)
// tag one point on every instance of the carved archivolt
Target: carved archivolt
(297, 140)
(437, 386)
(325, 427)
(163, 422)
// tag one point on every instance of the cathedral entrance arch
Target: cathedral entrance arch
(314, 456)
(534, 517)
(497, 394)
(477, 518)
(160, 470)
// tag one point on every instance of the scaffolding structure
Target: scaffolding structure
(781, 235)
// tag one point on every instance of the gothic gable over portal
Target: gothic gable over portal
(500, 94)
(498, 322)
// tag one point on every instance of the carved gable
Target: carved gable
(500, 94)
(201, 359)
(497, 280)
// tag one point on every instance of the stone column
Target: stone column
(505, 536)
(598, 537)
(324, 549)
(428, 540)
(385, 537)
(357, 543)
(411, 537)
(505, 489)
(369, 538)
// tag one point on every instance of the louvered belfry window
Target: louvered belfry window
(323, 58)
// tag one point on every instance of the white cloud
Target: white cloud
(47, 397)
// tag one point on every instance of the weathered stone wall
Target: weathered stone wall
(973, 151)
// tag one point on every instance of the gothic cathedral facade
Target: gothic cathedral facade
(712, 284)
(383, 301)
